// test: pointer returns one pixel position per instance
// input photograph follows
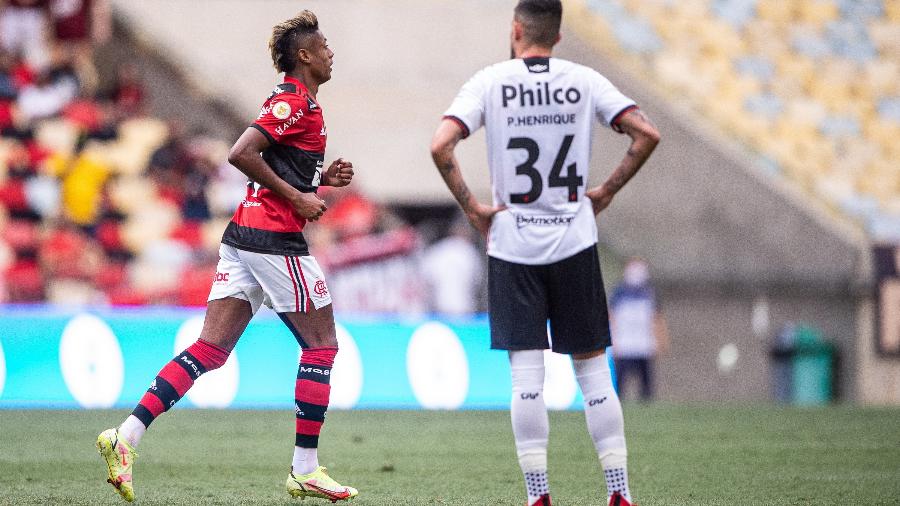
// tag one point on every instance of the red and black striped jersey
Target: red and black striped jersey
(292, 121)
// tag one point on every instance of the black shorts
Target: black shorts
(569, 293)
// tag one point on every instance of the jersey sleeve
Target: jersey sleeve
(280, 116)
(468, 108)
(609, 103)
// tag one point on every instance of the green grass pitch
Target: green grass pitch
(679, 455)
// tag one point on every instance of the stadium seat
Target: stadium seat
(57, 135)
(149, 224)
(130, 193)
(817, 12)
(158, 268)
(145, 131)
(211, 233)
(892, 11)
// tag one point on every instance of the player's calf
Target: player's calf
(603, 413)
(312, 393)
(170, 385)
(531, 426)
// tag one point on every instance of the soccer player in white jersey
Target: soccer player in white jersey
(539, 113)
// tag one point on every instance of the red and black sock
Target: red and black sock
(174, 380)
(311, 393)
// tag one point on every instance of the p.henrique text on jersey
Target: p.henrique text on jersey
(540, 119)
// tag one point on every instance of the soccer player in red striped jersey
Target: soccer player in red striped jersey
(264, 259)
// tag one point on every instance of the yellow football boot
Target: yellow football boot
(318, 484)
(119, 457)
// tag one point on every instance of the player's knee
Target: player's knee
(530, 379)
(319, 355)
(589, 355)
(321, 340)
(527, 369)
(216, 363)
(593, 374)
(210, 355)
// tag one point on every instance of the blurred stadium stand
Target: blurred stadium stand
(777, 172)
(112, 183)
(810, 86)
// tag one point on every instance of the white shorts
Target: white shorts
(284, 283)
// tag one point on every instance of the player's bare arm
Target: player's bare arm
(443, 147)
(245, 156)
(644, 138)
(338, 174)
(661, 332)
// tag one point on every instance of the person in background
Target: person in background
(454, 271)
(23, 30)
(638, 328)
(887, 281)
(77, 26)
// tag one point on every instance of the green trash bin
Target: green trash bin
(813, 368)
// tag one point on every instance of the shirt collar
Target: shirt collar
(296, 82)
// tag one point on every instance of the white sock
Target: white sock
(132, 429)
(530, 424)
(603, 414)
(306, 460)
(617, 481)
(536, 485)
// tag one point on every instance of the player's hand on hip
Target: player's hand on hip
(309, 206)
(481, 216)
(339, 173)
(600, 197)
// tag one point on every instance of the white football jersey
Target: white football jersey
(539, 114)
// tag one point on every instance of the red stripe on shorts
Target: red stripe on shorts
(294, 281)
(303, 278)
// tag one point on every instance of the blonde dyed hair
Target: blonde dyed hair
(286, 37)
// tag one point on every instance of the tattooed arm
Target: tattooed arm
(443, 145)
(644, 138)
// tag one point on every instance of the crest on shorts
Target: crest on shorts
(320, 288)
(281, 110)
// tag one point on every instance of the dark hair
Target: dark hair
(540, 19)
(286, 36)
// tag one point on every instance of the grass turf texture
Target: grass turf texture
(678, 455)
